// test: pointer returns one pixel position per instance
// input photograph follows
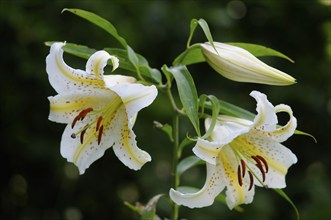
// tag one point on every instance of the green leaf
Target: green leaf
(133, 57)
(233, 110)
(138, 59)
(149, 212)
(191, 55)
(75, 49)
(185, 142)
(99, 21)
(215, 107)
(260, 51)
(188, 163)
(187, 93)
(204, 26)
(166, 128)
(306, 134)
(285, 196)
(122, 55)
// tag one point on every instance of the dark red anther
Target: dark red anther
(98, 123)
(82, 136)
(243, 165)
(75, 120)
(240, 181)
(264, 162)
(251, 180)
(100, 134)
(81, 116)
(84, 113)
(259, 165)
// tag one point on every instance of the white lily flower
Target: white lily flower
(240, 65)
(242, 153)
(99, 110)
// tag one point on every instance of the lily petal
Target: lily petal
(283, 133)
(207, 151)
(116, 134)
(135, 96)
(228, 128)
(62, 77)
(227, 166)
(65, 107)
(204, 197)
(111, 80)
(278, 157)
(97, 62)
(125, 145)
(266, 118)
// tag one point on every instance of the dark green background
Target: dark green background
(37, 183)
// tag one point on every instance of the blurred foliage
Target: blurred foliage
(37, 183)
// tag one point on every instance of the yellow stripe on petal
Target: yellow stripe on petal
(64, 109)
(260, 147)
(62, 77)
(72, 74)
(125, 146)
(232, 178)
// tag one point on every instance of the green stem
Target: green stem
(175, 177)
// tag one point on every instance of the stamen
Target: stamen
(100, 134)
(259, 165)
(98, 123)
(240, 181)
(75, 120)
(243, 165)
(85, 112)
(81, 116)
(82, 136)
(251, 180)
(264, 162)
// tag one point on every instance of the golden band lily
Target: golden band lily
(240, 65)
(240, 154)
(99, 110)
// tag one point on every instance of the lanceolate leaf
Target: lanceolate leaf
(187, 163)
(191, 55)
(99, 21)
(75, 49)
(204, 26)
(260, 51)
(233, 110)
(187, 93)
(285, 196)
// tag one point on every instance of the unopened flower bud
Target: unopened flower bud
(240, 65)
